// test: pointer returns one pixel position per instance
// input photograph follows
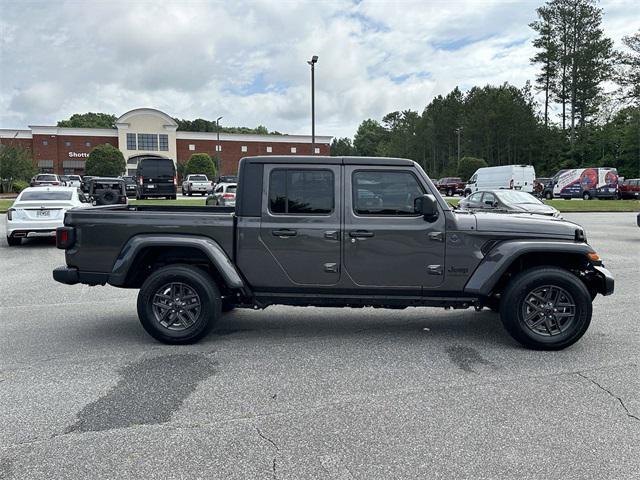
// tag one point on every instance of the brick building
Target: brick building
(146, 131)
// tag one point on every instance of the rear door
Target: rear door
(301, 221)
(386, 244)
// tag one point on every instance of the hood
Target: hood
(536, 208)
(537, 225)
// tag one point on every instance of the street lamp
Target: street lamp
(458, 130)
(218, 144)
(313, 62)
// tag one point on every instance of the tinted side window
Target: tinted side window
(301, 191)
(385, 193)
(489, 199)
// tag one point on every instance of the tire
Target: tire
(548, 196)
(467, 193)
(14, 242)
(108, 197)
(189, 193)
(449, 193)
(586, 196)
(173, 197)
(183, 192)
(185, 329)
(529, 289)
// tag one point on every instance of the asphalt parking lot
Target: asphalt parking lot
(291, 393)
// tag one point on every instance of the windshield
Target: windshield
(517, 198)
(47, 178)
(46, 195)
(74, 177)
(198, 178)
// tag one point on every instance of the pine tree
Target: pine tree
(547, 57)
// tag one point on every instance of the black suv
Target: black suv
(107, 191)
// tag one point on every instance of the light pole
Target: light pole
(218, 144)
(313, 62)
(458, 130)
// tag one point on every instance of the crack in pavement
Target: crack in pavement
(629, 414)
(264, 437)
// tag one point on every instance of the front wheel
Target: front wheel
(586, 196)
(179, 304)
(546, 308)
(449, 193)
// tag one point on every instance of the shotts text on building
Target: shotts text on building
(146, 131)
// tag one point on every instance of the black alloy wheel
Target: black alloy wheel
(546, 308)
(179, 304)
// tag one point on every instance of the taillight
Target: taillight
(175, 180)
(10, 213)
(141, 180)
(65, 237)
(229, 195)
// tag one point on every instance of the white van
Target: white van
(515, 177)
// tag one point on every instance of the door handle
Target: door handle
(360, 234)
(285, 232)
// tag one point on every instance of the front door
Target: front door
(386, 244)
(300, 225)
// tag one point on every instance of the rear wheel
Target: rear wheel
(548, 195)
(586, 196)
(449, 193)
(14, 241)
(546, 308)
(179, 304)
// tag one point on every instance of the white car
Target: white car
(224, 194)
(72, 180)
(38, 211)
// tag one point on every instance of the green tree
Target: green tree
(628, 69)
(201, 163)
(468, 166)
(367, 138)
(342, 147)
(105, 161)
(583, 57)
(89, 120)
(547, 56)
(16, 164)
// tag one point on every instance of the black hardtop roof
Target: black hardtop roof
(318, 160)
(106, 179)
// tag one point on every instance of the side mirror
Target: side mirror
(427, 206)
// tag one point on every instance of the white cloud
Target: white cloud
(247, 60)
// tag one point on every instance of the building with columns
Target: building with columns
(147, 131)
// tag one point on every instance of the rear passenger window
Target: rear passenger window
(385, 193)
(306, 192)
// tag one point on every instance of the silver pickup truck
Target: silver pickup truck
(196, 184)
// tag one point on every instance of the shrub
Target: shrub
(105, 161)
(19, 185)
(468, 166)
(16, 163)
(201, 163)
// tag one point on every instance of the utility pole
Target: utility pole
(458, 130)
(313, 62)
(218, 145)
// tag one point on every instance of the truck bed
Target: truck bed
(103, 232)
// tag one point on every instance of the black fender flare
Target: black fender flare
(501, 257)
(208, 246)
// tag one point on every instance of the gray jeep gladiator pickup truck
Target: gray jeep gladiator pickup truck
(336, 232)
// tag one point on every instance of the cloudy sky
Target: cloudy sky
(247, 60)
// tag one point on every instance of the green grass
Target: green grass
(588, 205)
(5, 204)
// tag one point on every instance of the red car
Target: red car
(629, 189)
(451, 186)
